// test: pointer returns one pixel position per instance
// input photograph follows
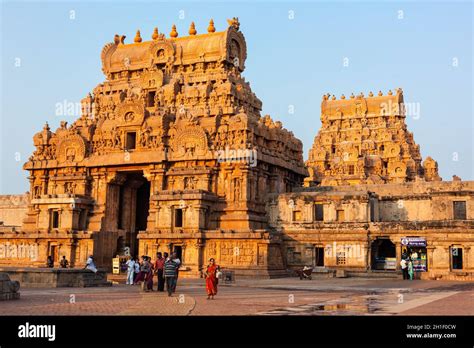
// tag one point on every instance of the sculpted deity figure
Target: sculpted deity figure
(145, 136)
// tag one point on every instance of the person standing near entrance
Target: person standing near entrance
(159, 270)
(410, 269)
(137, 270)
(175, 259)
(130, 271)
(170, 268)
(404, 265)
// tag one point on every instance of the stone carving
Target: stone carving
(370, 137)
(175, 114)
(71, 149)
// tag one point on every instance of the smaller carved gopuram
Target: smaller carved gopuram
(365, 140)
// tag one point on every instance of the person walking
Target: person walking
(159, 270)
(170, 269)
(410, 269)
(149, 275)
(404, 266)
(211, 279)
(130, 271)
(141, 274)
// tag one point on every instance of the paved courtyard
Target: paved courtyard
(288, 296)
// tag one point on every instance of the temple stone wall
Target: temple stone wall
(13, 209)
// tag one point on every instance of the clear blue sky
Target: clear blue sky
(290, 62)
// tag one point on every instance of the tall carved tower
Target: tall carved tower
(365, 140)
(170, 154)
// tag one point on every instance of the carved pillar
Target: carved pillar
(398, 252)
(429, 256)
(465, 265)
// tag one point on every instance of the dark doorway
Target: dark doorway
(127, 208)
(178, 249)
(178, 218)
(143, 204)
(319, 257)
(383, 254)
(54, 253)
(456, 257)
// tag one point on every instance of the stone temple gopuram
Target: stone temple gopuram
(171, 154)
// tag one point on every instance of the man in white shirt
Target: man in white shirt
(90, 265)
(404, 265)
(130, 271)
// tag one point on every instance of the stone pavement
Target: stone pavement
(288, 296)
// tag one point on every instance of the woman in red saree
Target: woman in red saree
(211, 279)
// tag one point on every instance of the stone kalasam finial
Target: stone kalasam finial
(192, 29)
(371, 94)
(343, 97)
(333, 97)
(380, 94)
(116, 39)
(138, 38)
(361, 94)
(390, 92)
(352, 96)
(211, 28)
(155, 34)
(173, 32)
(122, 39)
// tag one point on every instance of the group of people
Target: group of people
(64, 263)
(166, 269)
(407, 266)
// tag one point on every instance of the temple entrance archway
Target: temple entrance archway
(128, 202)
(383, 253)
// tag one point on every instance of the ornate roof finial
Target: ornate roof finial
(116, 39)
(173, 32)
(333, 97)
(234, 22)
(211, 28)
(390, 92)
(138, 38)
(122, 39)
(192, 29)
(371, 94)
(155, 34)
(46, 126)
(343, 97)
(352, 96)
(361, 94)
(380, 94)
